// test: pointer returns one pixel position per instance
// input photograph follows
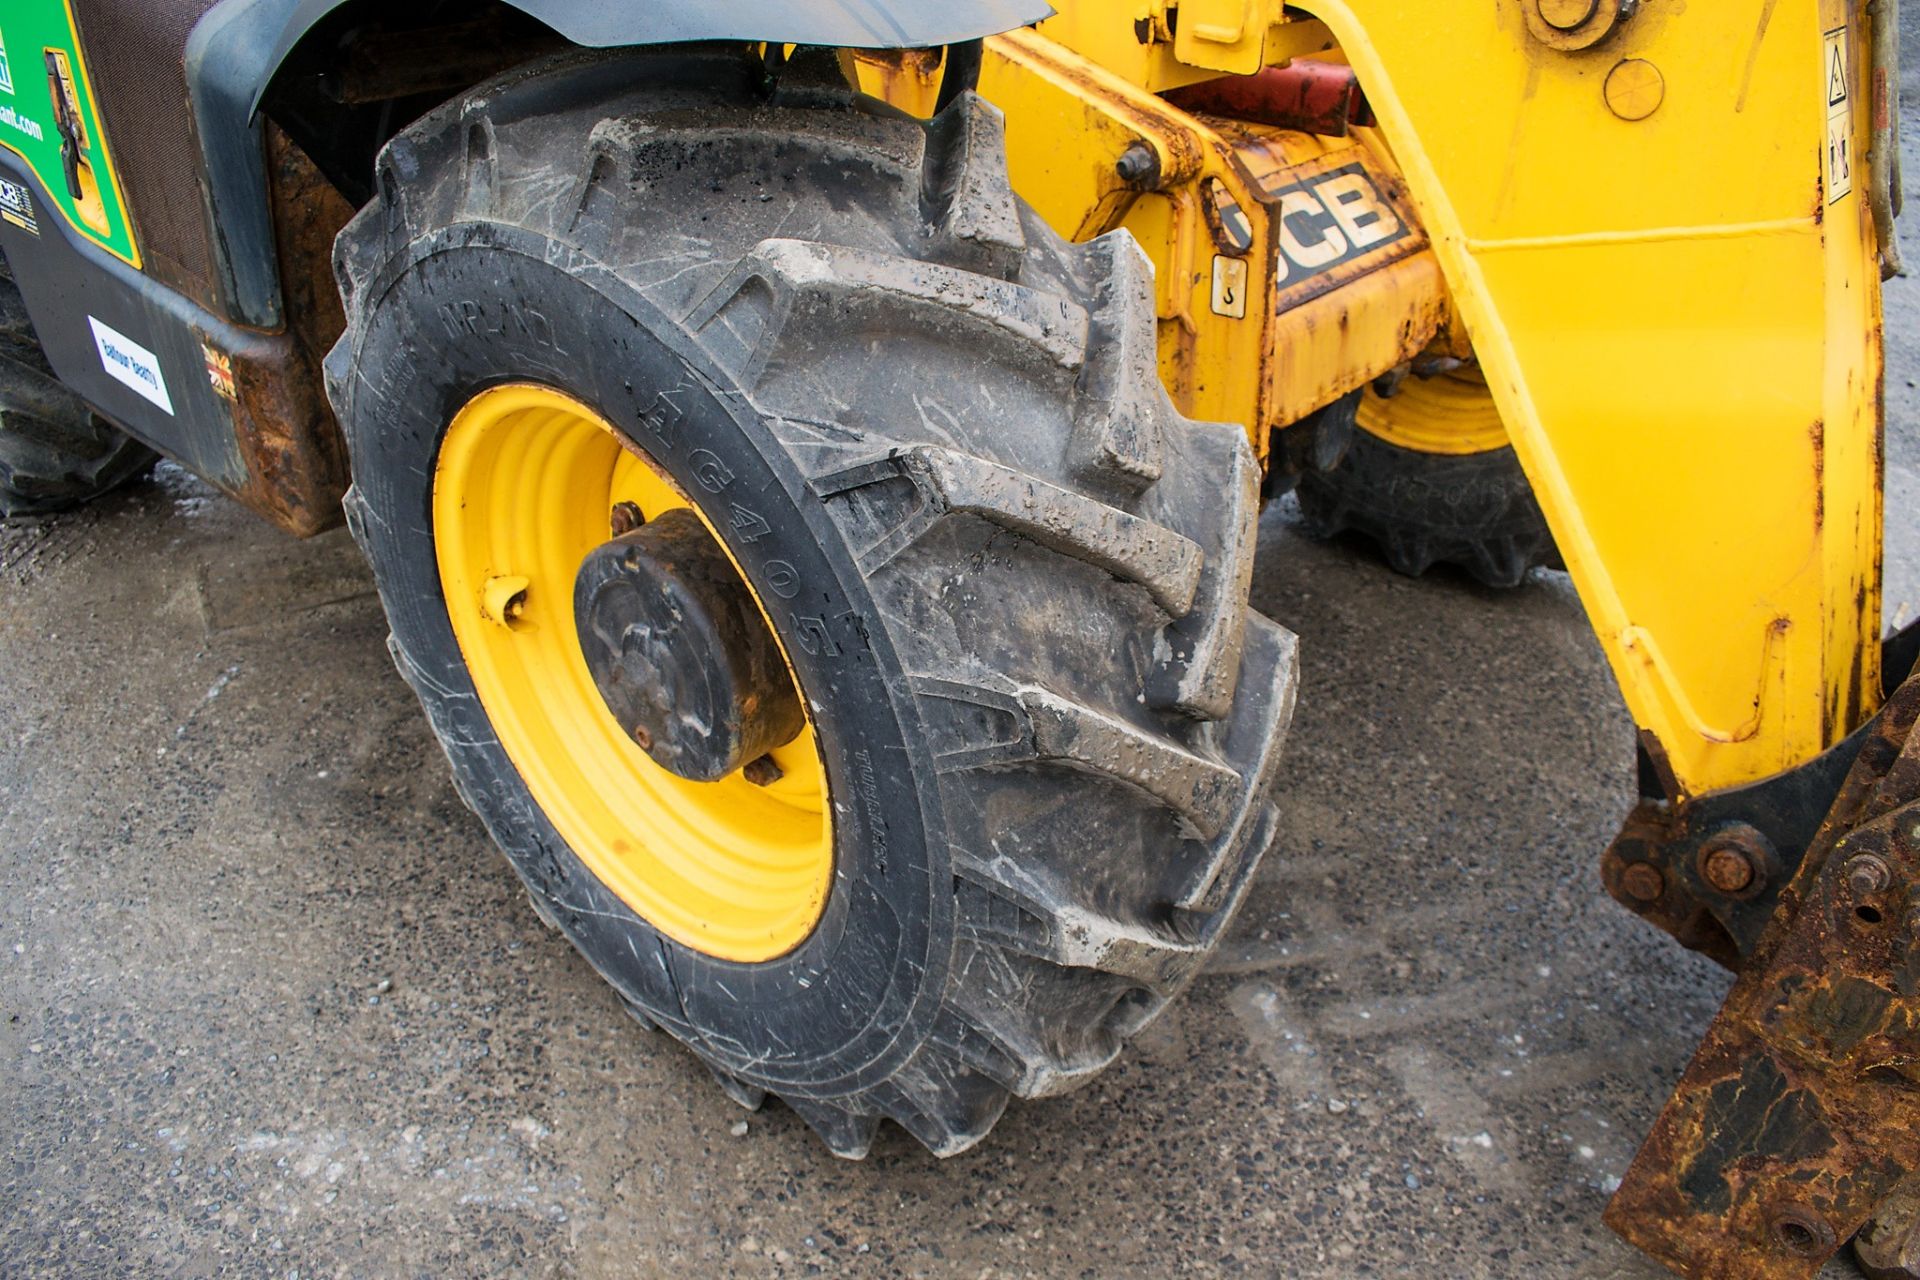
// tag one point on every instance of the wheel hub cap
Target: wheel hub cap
(680, 652)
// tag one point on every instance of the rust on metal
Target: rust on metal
(1888, 1248)
(1306, 94)
(1129, 116)
(1295, 254)
(1374, 306)
(1636, 871)
(295, 459)
(625, 517)
(1799, 1116)
(1730, 866)
(762, 771)
(1644, 882)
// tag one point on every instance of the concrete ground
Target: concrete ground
(271, 1004)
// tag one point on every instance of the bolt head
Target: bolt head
(762, 771)
(1866, 875)
(1565, 15)
(625, 518)
(1727, 869)
(1643, 881)
(1137, 165)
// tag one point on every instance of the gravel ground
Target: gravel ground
(270, 1004)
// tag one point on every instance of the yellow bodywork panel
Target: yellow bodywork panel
(1655, 240)
(1145, 44)
(1679, 318)
(1227, 206)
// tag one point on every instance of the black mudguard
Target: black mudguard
(852, 24)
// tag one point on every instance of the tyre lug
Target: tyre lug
(625, 518)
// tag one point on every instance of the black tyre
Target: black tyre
(55, 452)
(1474, 511)
(1010, 579)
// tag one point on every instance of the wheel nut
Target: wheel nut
(762, 772)
(1866, 875)
(626, 517)
(1727, 869)
(1643, 881)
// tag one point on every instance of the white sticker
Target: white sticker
(1229, 287)
(1839, 100)
(16, 206)
(127, 361)
(6, 71)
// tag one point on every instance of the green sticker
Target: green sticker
(48, 118)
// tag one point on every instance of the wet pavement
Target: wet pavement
(270, 1003)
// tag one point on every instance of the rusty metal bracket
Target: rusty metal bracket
(1710, 869)
(1800, 1112)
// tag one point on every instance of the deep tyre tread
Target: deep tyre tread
(957, 413)
(55, 452)
(1473, 511)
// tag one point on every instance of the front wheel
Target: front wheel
(810, 583)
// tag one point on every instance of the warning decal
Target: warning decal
(1839, 98)
(1229, 287)
(16, 206)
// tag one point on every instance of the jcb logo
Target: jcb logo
(1329, 219)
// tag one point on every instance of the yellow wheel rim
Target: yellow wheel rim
(523, 488)
(1453, 413)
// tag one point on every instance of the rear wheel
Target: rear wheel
(55, 452)
(1429, 478)
(813, 589)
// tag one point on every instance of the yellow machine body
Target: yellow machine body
(1652, 230)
